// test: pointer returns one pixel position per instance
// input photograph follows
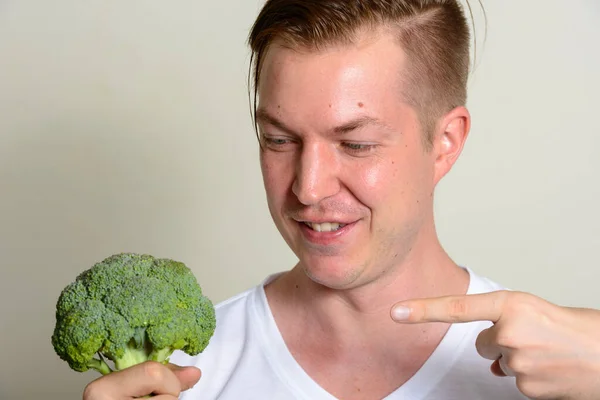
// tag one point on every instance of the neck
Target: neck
(427, 271)
(336, 334)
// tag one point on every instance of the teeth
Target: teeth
(325, 226)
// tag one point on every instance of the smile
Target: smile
(325, 226)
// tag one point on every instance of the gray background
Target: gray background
(124, 126)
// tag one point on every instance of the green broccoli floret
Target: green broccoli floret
(131, 308)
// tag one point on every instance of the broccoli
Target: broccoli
(131, 308)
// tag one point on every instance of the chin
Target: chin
(333, 274)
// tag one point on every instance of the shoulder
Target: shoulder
(231, 317)
(236, 321)
(233, 305)
(480, 284)
(234, 356)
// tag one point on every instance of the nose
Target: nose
(316, 174)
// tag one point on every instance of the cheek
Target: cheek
(373, 182)
(275, 176)
(267, 173)
(402, 180)
(373, 176)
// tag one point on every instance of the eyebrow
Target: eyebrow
(264, 116)
(347, 127)
(357, 123)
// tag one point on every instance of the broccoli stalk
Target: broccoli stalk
(140, 349)
(99, 365)
(130, 309)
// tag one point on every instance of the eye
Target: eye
(276, 143)
(358, 148)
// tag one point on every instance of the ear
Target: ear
(450, 138)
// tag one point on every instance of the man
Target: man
(361, 112)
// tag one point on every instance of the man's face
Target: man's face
(348, 181)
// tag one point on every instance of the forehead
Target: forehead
(333, 81)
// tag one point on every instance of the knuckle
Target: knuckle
(154, 370)
(521, 302)
(532, 388)
(526, 387)
(518, 364)
(93, 391)
(457, 309)
(525, 308)
(506, 339)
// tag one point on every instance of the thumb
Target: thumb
(188, 376)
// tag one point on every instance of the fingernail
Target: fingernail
(400, 313)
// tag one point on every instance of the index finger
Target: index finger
(451, 309)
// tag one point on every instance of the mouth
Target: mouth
(326, 233)
(324, 226)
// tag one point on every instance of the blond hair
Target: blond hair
(433, 33)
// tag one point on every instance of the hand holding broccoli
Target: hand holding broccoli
(129, 309)
(165, 382)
